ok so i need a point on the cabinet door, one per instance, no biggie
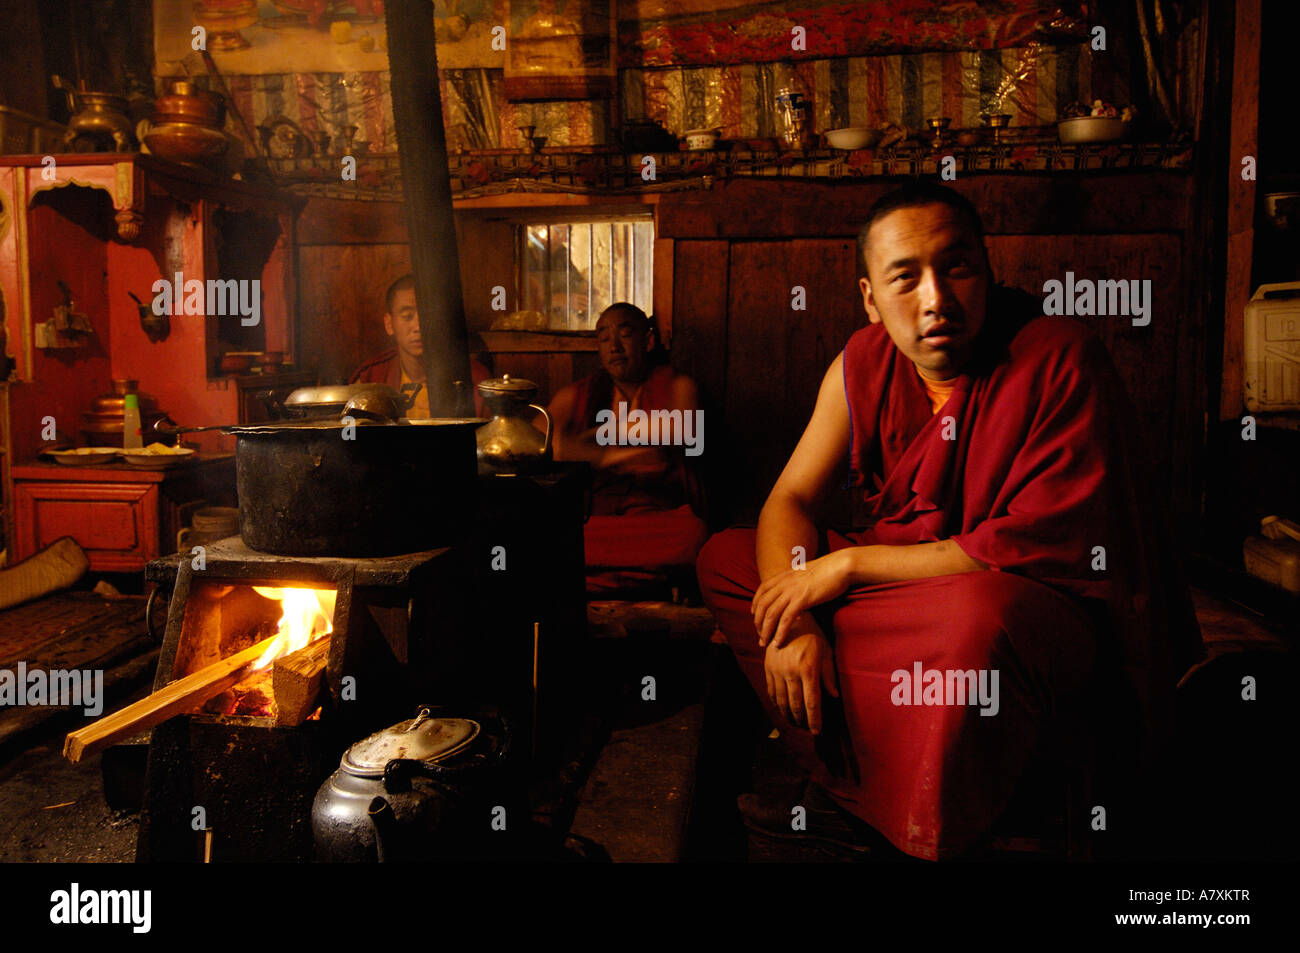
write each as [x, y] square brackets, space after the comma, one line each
[116, 524]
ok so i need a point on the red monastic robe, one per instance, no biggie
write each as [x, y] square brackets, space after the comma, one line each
[639, 525]
[1033, 467]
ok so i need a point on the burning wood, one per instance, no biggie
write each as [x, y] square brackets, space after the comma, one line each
[307, 615]
[179, 697]
[297, 680]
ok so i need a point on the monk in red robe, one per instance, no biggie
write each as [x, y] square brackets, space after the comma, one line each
[639, 424]
[404, 362]
[1012, 585]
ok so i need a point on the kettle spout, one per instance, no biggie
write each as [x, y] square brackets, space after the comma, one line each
[385, 821]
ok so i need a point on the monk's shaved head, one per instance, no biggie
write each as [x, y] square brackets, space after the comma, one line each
[914, 194]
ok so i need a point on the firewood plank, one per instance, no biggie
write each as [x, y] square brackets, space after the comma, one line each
[297, 680]
[180, 696]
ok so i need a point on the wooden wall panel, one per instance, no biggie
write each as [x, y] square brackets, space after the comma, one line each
[1146, 357]
[777, 356]
[341, 304]
[1054, 203]
[700, 279]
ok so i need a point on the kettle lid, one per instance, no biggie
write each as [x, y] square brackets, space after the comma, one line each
[507, 385]
[422, 739]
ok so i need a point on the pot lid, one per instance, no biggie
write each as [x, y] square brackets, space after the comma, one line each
[334, 394]
[423, 739]
[505, 384]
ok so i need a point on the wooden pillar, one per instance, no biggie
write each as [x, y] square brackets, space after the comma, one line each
[422, 149]
[1243, 140]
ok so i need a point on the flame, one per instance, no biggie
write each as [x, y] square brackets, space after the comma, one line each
[307, 615]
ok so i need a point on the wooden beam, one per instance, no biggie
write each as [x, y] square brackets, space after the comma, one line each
[181, 696]
[1243, 140]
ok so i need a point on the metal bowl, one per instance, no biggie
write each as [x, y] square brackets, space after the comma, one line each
[1086, 129]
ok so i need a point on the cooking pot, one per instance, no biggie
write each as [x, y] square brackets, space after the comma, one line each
[353, 488]
[416, 791]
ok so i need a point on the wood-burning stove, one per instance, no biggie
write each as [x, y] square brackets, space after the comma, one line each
[461, 626]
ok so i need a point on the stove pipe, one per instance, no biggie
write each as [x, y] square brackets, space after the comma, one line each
[422, 150]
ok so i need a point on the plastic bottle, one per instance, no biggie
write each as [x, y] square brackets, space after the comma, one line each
[131, 436]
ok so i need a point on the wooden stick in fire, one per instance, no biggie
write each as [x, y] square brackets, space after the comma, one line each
[181, 696]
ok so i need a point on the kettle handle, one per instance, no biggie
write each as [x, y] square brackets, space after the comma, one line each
[399, 771]
[546, 447]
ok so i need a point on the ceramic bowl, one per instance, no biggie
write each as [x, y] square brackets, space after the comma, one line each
[701, 139]
[852, 137]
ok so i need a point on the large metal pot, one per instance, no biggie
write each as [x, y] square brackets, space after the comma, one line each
[326, 488]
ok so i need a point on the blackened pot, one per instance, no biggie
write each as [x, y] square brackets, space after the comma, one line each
[322, 488]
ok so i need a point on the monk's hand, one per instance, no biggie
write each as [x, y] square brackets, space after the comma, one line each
[795, 675]
[782, 598]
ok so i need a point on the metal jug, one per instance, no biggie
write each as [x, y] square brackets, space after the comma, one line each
[508, 443]
[98, 117]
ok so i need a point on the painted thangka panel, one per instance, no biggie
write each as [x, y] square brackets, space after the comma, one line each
[255, 37]
[560, 49]
[715, 32]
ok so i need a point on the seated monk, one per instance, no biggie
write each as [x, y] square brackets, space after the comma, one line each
[645, 523]
[1012, 550]
[403, 363]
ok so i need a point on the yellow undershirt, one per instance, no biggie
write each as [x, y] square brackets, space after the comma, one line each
[937, 391]
[419, 409]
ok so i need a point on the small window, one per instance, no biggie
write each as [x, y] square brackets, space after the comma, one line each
[572, 271]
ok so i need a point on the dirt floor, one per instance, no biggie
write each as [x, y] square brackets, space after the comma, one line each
[51, 810]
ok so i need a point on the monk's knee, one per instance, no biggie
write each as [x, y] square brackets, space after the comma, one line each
[727, 561]
[996, 612]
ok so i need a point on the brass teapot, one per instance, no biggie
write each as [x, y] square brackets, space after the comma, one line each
[508, 443]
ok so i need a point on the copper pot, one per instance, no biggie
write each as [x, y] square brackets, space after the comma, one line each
[186, 142]
[104, 419]
[186, 102]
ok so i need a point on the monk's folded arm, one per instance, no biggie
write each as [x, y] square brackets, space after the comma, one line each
[788, 518]
[783, 524]
[873, 564]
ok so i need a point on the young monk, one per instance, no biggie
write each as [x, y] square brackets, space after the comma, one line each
[1012, 534]
[646, 501]
[404, 362]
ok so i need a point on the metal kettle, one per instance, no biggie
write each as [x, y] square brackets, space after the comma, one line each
[419, 790]
[508, 443]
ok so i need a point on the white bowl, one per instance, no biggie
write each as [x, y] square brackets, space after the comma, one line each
[1084, 129]
[701, 139]
[853, 137]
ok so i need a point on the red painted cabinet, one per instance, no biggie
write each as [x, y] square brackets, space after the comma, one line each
[122, 517]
